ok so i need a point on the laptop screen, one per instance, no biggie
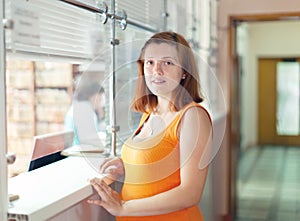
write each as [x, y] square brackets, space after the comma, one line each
[47, 148]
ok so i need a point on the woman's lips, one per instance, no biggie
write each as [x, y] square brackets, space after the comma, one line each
[158, 81]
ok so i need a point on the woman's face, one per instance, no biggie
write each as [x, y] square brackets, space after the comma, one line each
[162, 69]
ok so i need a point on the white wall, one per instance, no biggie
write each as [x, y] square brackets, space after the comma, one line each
[261, 39]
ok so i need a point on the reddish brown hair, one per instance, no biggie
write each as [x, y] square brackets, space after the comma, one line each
[145, 100]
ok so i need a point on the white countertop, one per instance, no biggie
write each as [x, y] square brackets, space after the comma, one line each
[47, 191]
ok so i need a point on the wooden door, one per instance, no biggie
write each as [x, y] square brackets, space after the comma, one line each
[271, 102]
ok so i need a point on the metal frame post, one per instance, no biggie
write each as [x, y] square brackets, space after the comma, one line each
[113, 127]
[3, 136]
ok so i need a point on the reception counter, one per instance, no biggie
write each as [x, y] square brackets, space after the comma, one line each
[57, 192]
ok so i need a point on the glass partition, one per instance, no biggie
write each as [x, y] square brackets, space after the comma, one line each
[52, 50]
[288, 98]
[57, 47]
[57, 51]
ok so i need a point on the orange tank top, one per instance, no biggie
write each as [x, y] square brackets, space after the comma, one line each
[152, 166]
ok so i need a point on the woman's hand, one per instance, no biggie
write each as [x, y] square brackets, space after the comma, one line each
[109, 199]
[113, 168]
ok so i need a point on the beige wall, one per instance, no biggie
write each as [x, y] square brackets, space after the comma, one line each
[227, 10]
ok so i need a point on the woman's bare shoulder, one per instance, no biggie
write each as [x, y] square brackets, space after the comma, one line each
[196, 114]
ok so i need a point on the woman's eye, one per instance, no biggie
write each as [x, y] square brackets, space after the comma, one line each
[168, 62]
[149, 62]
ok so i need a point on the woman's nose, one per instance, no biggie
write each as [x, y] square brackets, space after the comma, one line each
[158, 68]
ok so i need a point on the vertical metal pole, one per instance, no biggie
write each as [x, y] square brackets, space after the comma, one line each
[114, 42]
[165, 15]
[3, 162]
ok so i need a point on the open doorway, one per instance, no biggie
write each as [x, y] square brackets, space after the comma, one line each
[265, 168]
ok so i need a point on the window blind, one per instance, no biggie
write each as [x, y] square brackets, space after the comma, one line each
[54, 28]
[149, 13]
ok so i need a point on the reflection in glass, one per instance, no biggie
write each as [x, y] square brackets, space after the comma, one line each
[287, 113]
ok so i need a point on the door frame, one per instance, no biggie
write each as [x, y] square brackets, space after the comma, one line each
[234, 92]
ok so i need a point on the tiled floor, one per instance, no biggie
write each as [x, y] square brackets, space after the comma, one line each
[269, 184]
